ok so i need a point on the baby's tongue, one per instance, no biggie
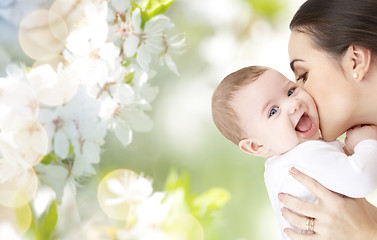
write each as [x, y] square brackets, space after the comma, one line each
[304, 124]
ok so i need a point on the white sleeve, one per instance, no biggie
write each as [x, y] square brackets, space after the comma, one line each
[354, 176]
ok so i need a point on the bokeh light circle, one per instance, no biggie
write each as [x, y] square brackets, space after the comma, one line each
[123, 210]
[36, 37]
[19, 218]
[70, 11]
[19, 190]
[32, 140]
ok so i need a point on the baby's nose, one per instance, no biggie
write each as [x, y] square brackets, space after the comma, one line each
[294, 105]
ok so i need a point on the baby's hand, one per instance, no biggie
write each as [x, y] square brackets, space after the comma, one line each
[359, 133]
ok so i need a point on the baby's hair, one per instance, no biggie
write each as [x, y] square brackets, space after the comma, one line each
[223, 114]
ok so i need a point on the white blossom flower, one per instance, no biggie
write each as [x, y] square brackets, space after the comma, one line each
[120, 6]
[147, 41]
[121, 192]
[92, 57]
[76, 124]
[175, 45]
[18, 100]
[128, 118]
[120, 25]
[66, 111]
[23, 141]
[31, 141]
[129, 188]
[54, 88]
[11, 163]
[153, 211]
[123, 105]
[92, 34]
[18, 181]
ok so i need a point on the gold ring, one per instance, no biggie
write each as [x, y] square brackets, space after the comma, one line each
[310, 224]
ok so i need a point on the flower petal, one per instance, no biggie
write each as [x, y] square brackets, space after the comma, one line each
[171, 64]
[139, 121]
[115, 186]
[91, 152]
[144, 58]
[125, 94]
[136, 20]
[121, 5]
[130, 45]
[109, 51]
[61, 144]
[148, 92]
[123, 133]
[157, 24]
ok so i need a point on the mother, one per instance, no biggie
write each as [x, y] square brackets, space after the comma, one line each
[333, 53]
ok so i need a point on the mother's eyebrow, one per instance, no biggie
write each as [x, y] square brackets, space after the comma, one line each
[292, 64]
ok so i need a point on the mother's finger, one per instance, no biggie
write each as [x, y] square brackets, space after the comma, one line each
[296, 236]
[312, 185]
[294, 219]
[297, 205]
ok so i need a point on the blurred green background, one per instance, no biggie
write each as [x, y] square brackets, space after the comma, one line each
[221, 37]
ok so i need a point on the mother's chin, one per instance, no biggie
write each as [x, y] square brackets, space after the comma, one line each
[331, 132]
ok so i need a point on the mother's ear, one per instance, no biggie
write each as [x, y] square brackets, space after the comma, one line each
[251, 146]
[356, 62]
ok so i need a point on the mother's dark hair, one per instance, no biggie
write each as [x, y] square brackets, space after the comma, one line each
[336, 24]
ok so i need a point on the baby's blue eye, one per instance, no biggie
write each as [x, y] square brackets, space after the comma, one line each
[290, 92]
[273, 111]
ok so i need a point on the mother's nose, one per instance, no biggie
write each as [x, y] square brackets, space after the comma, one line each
[294, 105]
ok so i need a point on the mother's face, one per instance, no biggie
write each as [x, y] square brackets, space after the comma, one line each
[322, 77]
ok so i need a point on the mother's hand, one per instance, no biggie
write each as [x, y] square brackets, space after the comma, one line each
[336, 217]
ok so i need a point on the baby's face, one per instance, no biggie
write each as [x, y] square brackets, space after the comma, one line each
[276, 112]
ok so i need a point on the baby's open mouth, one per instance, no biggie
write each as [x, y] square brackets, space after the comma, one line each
[304, 124]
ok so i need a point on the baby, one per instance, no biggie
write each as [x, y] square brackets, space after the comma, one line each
[267, 115]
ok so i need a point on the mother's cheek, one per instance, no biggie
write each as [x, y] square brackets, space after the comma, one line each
[333, 117]
[326, 108]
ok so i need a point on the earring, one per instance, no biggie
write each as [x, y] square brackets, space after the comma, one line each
[355, 75]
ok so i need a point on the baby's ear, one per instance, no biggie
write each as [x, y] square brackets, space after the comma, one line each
[251, 146]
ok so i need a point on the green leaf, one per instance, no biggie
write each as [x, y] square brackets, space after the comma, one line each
[151, 8]
[49, 158]
[159, 7]
[126, 63]
[210, 201]
[268, 8]
[174, 181]
[48, 221]
[23, 215]
[128, 78]
[71, 150]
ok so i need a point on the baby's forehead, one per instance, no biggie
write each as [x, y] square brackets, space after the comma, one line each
[254, 95]
[274, 74]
